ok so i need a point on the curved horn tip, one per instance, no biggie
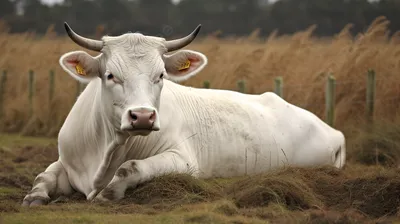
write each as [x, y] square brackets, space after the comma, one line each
[68, 29]
[87, 43]
[197, 30]
[66, 26]
[173, 45]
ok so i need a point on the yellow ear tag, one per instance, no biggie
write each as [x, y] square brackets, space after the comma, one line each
[80, 70]
[184, 66]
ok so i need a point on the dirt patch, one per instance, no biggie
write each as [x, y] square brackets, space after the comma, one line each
[4, 153]
[19, 166]
[8, 207]
[14, 180]
[39, 155]
[29, 154]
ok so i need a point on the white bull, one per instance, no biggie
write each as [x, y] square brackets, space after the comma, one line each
[133, 123]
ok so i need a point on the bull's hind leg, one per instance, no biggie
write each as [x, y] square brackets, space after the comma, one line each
[47, 185]
[133, 172]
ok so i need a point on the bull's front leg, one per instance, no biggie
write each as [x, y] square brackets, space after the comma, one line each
[47, 185]
[134, 172]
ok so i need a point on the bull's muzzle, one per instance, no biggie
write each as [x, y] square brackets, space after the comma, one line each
[140, 119]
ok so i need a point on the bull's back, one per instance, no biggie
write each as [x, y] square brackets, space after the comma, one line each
[240, 133]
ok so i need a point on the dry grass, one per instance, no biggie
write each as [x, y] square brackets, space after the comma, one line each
[302, 60]
[356, 194]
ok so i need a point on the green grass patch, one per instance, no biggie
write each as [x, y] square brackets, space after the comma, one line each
[5, 191]
[94, 214]
[9, 141]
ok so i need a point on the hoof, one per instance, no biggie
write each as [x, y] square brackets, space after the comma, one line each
[37, 202]
[33, 203]
[100, 198]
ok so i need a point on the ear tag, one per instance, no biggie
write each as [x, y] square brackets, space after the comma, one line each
[184, 66]
[80, 70]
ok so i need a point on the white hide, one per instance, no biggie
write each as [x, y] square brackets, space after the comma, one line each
[219, 133]
[211, 133]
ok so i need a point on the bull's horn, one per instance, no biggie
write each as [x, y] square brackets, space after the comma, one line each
[87, 43]
[173, 45]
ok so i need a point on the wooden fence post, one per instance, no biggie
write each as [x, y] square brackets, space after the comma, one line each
[206, 84]
[51, 89]
[31, 90]
[330, 100]
[278, 88]
[241, 86]
[370, 94]
[3, 80]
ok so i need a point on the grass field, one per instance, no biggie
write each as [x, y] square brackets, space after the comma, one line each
[304, 62]
[366, 191]
[362, 192]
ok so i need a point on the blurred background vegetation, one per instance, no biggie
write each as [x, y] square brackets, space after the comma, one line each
[170, 18]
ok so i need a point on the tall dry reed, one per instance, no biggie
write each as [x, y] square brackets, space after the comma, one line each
[303, 60]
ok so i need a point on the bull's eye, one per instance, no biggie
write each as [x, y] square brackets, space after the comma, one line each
[162, 75]
[110, 76]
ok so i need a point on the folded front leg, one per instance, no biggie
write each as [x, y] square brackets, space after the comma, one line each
[49, 184]
[133, 172]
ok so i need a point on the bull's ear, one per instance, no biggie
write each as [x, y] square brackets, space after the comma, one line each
[80, 65]
[184, 64]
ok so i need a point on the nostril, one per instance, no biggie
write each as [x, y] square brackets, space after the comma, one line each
[133, 115]
[152, 116]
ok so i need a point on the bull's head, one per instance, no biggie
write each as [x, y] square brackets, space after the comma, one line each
[131, 68]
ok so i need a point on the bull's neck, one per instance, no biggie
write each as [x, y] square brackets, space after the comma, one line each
[93, 113]
[187, 102]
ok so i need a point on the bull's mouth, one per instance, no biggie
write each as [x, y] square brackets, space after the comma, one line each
[141, 131]
[152, 128]
[133, 129]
